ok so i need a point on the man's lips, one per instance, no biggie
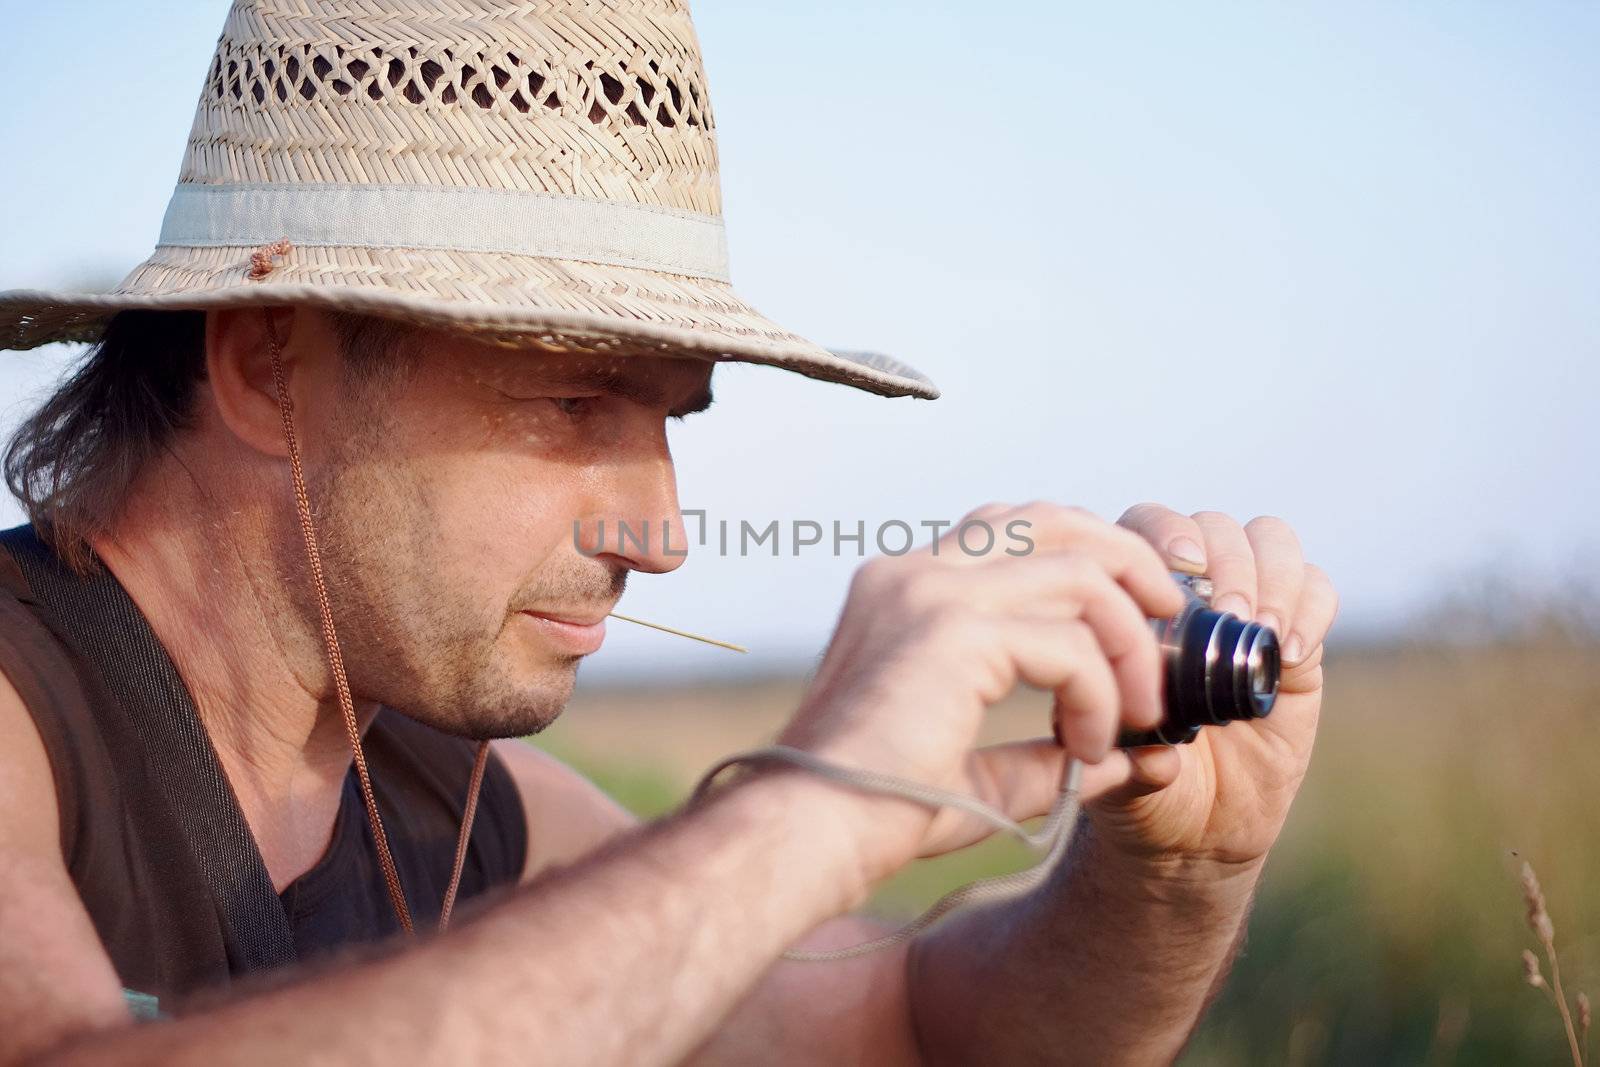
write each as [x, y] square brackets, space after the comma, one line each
[578, 633]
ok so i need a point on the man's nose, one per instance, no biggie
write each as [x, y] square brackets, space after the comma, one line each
[646, 531]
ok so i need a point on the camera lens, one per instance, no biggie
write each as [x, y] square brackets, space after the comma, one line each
[1219, 668]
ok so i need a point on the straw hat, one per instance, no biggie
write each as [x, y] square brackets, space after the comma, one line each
[536, 172]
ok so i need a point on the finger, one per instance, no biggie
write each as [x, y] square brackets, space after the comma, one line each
[1075, 587]
[1177, 538]
[1127, 557]
[1313, 616]
[1280, 572]
[1149, 770]
[1023, 778]
[1230, 564]
[1065, 658]
[980, 534]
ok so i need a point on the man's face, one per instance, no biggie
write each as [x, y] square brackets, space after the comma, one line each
[446, 514]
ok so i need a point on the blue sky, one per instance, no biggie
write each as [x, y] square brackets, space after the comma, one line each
[1338, 264]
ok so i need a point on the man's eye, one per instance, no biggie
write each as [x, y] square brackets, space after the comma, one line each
[574, 406]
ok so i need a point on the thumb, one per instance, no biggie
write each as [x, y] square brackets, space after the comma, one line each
[1150, 770]
[1023, 778]
[1020, 779]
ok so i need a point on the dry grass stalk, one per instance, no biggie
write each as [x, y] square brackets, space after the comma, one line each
[1585, 1017]
[1530, 969]
[1544, 929]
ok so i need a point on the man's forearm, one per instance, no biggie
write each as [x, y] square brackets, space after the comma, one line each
[1112, 962]
[631, 957]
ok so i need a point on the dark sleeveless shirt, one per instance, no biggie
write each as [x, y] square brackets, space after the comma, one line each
[146, 885]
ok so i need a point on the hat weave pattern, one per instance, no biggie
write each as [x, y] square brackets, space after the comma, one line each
[586, 100]
[533, 173]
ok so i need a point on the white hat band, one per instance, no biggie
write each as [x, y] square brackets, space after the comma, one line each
[510, 222]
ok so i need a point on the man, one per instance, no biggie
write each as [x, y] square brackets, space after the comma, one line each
[302, 532]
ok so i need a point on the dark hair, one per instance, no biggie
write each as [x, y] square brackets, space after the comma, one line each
[73, 461]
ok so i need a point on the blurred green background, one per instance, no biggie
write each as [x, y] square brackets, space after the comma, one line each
[1126, 239]
[1390, 921]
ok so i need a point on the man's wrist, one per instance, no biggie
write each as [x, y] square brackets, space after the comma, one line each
[1178, 879]
[827, 817]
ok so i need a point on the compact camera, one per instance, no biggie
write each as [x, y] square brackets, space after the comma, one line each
[1216, 668]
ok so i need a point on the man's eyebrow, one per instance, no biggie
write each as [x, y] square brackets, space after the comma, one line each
[640, 391]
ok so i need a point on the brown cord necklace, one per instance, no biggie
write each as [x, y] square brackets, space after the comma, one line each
[330, 641]
[262, 265]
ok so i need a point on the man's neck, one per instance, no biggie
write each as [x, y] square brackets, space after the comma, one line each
[211, 593]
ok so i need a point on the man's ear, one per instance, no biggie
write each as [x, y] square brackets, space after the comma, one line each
[239, 370]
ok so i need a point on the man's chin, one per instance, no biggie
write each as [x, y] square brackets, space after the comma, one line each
[515, 711]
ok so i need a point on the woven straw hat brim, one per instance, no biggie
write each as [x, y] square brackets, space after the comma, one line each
[548, 304]
[543, 175]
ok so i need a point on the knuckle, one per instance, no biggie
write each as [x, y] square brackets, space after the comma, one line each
[1081, 517]
[1213, 518]
[1079, 572]
[1149, 511]
[1080, 648]
[1076, 637]
[872, 571]
[1331, 594]
[1079, 525]
[922, 591]
[1095, 588]
[1317, 580]
[877, 576]
[1304, 678]
[1271, 526]
[1063, 526]
[1226, 560]
[1134, 542]
[1267, 522]
[956, 627]
[1050, 512]
[993, 507]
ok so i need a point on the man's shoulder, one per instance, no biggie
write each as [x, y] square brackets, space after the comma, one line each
[27, 783]
[46, 682]
[42, 664]
[50, 699]
[568, 815]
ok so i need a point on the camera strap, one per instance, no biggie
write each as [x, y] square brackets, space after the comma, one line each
[1052, 838]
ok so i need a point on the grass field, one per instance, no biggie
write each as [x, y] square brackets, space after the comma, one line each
[1390, 922]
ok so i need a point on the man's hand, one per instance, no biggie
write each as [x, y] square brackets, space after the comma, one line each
[1150, 907]
[1224, 798]
[927, 641]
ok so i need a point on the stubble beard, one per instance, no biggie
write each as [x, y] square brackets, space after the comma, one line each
[408, 640]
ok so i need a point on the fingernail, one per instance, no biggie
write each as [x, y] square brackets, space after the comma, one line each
[1270, 621]
[1294, 649]
[1184, 550]
[1232, 603]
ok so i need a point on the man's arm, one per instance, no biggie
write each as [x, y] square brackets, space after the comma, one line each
[1114, 962]
[55, 979]
[851, 1011]
[631, 956]
[1110, 959]
[1111, 962]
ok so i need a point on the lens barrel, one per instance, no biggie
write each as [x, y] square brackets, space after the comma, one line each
[1218, 669]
